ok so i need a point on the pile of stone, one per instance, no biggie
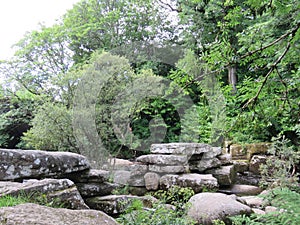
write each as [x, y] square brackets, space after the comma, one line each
[195, 165]
[69, 178]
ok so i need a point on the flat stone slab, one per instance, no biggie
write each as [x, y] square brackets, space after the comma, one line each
[89, 176]
[29, 213]
[198, 182]
[160, 159]
[180, 148]
[168, 169]
[242, 190]
[24, 164]
[204, 164]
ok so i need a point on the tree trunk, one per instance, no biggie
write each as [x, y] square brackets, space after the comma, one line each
[232, 78]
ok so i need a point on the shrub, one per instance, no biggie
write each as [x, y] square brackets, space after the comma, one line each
[280, 169]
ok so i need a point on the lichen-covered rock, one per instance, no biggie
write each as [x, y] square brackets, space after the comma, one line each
[180, 148]
[247, 151]
[238, 151]
[257, 148]
[206, 207]
[225, 175]
[116, 204]
[63, 191]
[26, 214]
[197, 182]
[23, 164]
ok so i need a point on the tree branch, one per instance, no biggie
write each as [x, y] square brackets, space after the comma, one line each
[273, 67]
[169, 6]
[272, 43]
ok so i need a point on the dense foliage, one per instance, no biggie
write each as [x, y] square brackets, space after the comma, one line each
[240, 68]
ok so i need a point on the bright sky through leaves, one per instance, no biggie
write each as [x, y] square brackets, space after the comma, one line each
[19, 16]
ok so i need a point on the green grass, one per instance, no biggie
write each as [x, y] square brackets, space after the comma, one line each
[8, 200]
[37, 198]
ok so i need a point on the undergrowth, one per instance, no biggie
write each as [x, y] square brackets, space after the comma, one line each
[285, 200]
[162, 213]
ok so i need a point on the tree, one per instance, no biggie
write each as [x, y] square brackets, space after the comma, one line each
[92, 25]
[41, 56]
[257, 42]
[15, 116]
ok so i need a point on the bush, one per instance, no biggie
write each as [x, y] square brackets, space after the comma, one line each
[280, 168]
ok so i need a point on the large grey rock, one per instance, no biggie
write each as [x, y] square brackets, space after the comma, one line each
[26, 214]
[180, 148]
[22, 164]
[96, 189]
[63, 191]
[206, 207]
[225, 175]
[168, 169]
[117, 204]
[89, 176]
[152, 181]
[197, 182]
[159, 159]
